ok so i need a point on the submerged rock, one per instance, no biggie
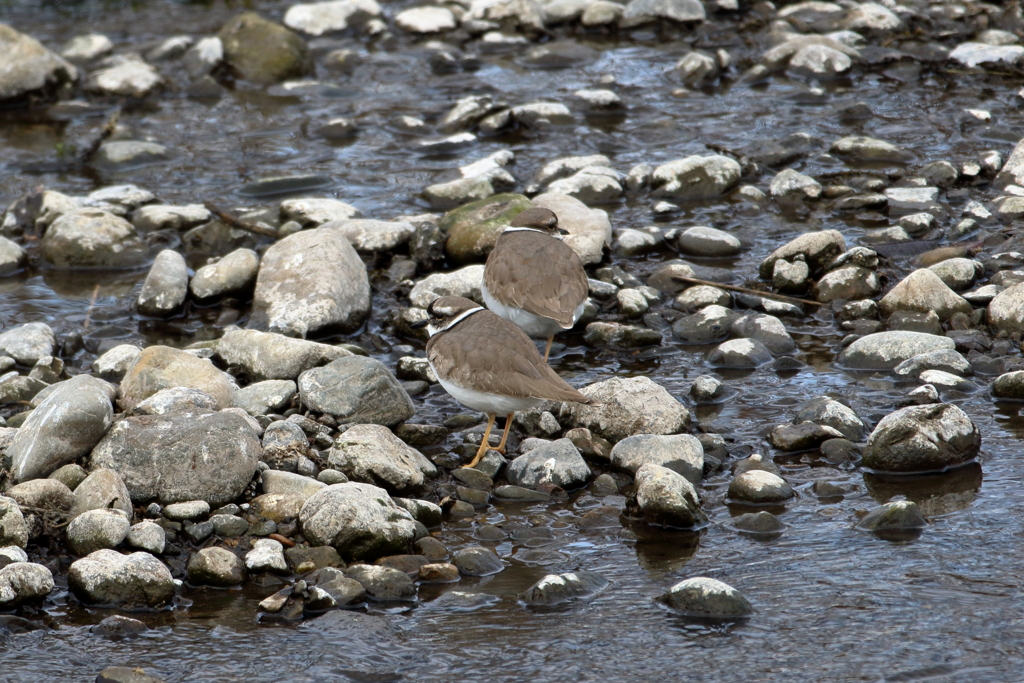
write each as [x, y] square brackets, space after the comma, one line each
[557, 588]
[900, 514]
[922, 439]
[262, 51]
[704, 597]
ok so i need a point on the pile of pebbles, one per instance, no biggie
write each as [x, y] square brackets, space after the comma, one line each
[141, 474]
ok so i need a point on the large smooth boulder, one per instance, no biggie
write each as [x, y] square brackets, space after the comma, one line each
[174, 458]
[922, 439]
[262, 51]
[106, 577]
[557, 463]
[696, 177]
[1006, 311]
[29, 70]
[886, 350]
[266, 355]
[356, 389]
[681, 453]
[93, 238]
[359, 520]
[310, 281]
[590, 230]
[64, 427]
[923, 291]
[161, 367]
[22, 582]
[627, 406]
[371, 453]
[667, 498]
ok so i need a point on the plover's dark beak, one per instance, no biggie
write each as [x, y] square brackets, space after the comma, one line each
[421, 324]
[561, 231]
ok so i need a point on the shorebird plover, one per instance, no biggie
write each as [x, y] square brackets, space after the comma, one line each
[534, 279]
[488, 364]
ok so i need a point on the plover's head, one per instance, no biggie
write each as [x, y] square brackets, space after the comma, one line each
[541, 220]
[446, 311]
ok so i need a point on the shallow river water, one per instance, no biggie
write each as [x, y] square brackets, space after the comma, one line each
[832, 603]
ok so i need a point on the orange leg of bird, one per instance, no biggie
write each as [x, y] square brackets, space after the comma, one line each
[547, 349]
[504, 437]
[484, 443]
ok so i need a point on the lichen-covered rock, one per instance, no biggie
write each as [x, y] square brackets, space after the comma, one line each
[101, 490]
[23, 582]
[162, 367]
[266, 355]
[173, 458]
[94, 530]
[106, 577]
[215, 566]
[13, 529]
[634, 405]
[696, 177]
[356, 389]
[473, 228]
[667, 498]
[923, 291]
[93, 238]
[310, 281]
[373, 454]
[681, 453]
[358, 520]
[886, 350]
[829, 412]
[922, 439]
[556, 463]
[818, 248]
[899, 514]
[262, 51]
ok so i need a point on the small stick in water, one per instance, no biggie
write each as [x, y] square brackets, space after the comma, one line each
[747, 290]
[233, 222]
[92, 303]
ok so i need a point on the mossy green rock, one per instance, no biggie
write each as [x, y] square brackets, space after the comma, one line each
[262, 51]
[473, 228]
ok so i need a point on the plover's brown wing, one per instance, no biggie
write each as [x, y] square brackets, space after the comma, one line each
[484, 352]
[538, 273]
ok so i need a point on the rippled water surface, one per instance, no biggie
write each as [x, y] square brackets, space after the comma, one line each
[833, 603]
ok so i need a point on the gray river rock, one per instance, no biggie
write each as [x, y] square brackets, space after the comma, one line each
[102, 489]
[216, 566]
[161, 367]
[356, 389]
[31, 69]
[13, 529]
[166, 286]
[65, 426]
[665, 497]
[176, 400]
[635, 405]
[886, 350]
[97, 529]
[267, 355]
[923, 291]
[358, 520]
[23, 582]
[681, 453]
[92, 238]
[922, 439]
[555, 463]
[106, 577]
[232, 275]
[310, 281]
[372, 454]
[704, 597]
[558, 588]
[28, 343]
[158, 457]
[262, 51]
